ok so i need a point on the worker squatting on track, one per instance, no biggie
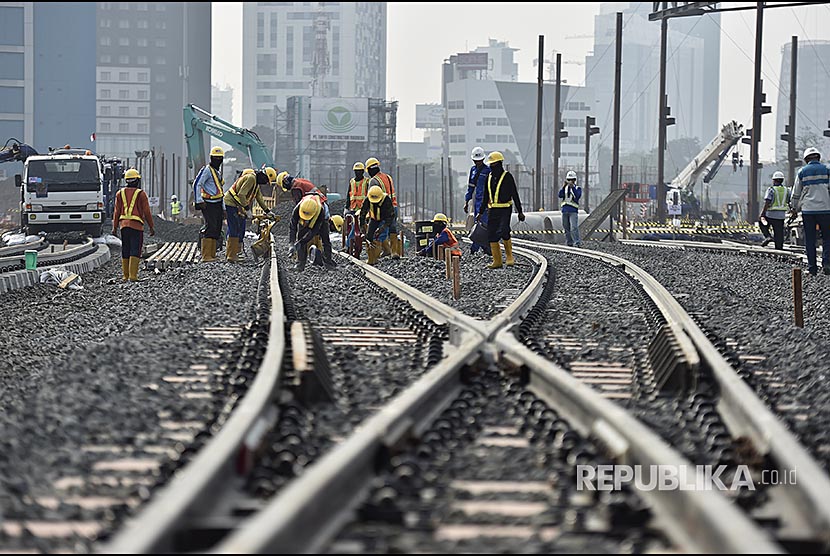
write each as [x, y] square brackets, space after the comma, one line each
[571, 193]
[379, 212]
[238, 201]
[811, 196]
[310, 222]
[444, 236]
[132, 211]
[208, 194]
[475, 192]
[501, 194]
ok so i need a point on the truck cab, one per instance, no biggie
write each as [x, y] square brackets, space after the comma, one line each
[62, 191]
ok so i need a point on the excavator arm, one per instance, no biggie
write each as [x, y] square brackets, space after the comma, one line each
[198, 122]
[16, 151]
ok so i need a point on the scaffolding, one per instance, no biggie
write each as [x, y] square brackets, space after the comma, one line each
[330, 163]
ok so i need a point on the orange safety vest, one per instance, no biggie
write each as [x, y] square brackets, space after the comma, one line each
[388, 186]
[452, 242]
[357, 193]
[313, 221]
[128, 210]
[219, 182]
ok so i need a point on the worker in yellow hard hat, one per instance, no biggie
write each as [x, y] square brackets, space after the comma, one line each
[208, 195]
[238, 200]
[357, 188]
[132, 212]
[308, 222]
[443, 235]
[501, 192]
[380, 179]
[378, 209]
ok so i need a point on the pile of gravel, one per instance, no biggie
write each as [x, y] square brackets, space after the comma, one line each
[167, 231]
[85, 369]
[748, 300]
[484, 292]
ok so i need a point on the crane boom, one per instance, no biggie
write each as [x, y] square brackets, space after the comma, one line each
[197, 122]
[715, 152]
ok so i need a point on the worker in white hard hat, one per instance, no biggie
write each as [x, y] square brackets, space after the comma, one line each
[475, 192]
[175, 208]
[776, 203]
[570, 194]
[811, 196]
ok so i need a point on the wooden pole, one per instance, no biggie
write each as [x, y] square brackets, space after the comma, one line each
[456, 276]
[797, 298]
[448, 261]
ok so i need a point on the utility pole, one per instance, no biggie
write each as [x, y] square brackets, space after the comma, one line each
[615, 164]
[752, 194]
[443, 195]
[661, 133]
[789, 135]
[450, 187]
[537, 195]
[558, 132]
[590, 129]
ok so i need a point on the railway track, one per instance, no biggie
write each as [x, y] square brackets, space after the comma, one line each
[48, 255]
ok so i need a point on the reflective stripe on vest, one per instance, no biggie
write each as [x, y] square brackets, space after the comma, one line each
[569, 198]
[779, 200]
[386, 181]
[357, 193]
[236, 198]
[313, 221]
[128, 214]
[814, 174]
[495, 197]
[176, 207]
[218, 181]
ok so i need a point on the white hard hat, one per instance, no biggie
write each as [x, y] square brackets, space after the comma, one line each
[173, 197]
[478, 153]
[779, 175]
[571, 175]
[810, 152]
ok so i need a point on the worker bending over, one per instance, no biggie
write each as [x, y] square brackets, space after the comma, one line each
[132, 211]
[308, 222]
[298, 187]
[208, 193]
[444, 236]
[378, 209]
[238, 201]
[384, 181]
[501, 194]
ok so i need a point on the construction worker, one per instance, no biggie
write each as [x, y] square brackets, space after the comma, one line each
[357, 188]
[444, 236]
[208, 193]
[175, 208]
[811, 196]
[309, 222]
[238, 201]
[776, 203]
[298, 187]
[501, 194]
[570, 193]
[381, 214]
[132, 211]
[475, 193]
[384, 181]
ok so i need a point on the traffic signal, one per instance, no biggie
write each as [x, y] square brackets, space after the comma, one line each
[669, 120]
[747, 138]
[590, 128]
[562, 131]
[764, 108]
[786, 135]
[827, 131]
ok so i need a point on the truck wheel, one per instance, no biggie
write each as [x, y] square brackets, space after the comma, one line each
[96, 230]
[33, 230]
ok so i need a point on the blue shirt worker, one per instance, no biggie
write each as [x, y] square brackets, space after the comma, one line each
[475, 192]
[208, 195]
[443, 237]
[811, 196]
[570, 195]
[776, 203]
[501, 194]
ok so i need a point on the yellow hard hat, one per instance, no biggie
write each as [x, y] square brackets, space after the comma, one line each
[247, 171]
[372, 162]
[440, 217]
[272, 174]
[358, 166]
[376, 194]
[337, 220]
[217, 151]
[495, 156]
[132, 174]
[309, 208]
[281, 178]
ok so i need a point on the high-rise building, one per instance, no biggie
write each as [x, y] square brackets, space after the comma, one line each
[692, 75]
[153, 58]
[331, 49]
[812, 96]
[221, 102]
[47, 74]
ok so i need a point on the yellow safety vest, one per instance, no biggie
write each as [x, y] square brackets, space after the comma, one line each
[779, 200]
[357, 192]
[495, 198]
[219, 183]
[176, 207]
[128, 211]
[250, 199]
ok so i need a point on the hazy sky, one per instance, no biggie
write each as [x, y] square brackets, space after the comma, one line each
[421, 35]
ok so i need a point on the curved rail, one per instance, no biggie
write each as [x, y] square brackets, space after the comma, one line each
[309, 512]
[12, 250]
[201, 481]
[46, 258]
[744, 414]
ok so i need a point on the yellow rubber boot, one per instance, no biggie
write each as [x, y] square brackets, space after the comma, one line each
[373, 252]
[386, 246]
[496, 249]
[395, 244]
[134, 262]
[208, 250]
[125, 268]
[232, 249]
[508, 251]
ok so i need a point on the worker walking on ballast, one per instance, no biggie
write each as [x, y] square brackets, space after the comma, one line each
[501, 194]
[443, 236]
[811, 195]
[309, 221]
[776, 203]
[132, 211]
[208, 193]
[475, 193]
[238, 201]
[570, 195]
[381, 214]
